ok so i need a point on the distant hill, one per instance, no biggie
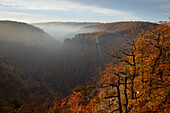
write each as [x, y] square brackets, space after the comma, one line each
[26, 34]
[117, 27]
[62, 30]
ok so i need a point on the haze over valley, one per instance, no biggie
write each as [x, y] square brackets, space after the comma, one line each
[75, 56]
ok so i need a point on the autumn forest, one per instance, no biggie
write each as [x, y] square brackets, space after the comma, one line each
[137, 80]
[120, 67]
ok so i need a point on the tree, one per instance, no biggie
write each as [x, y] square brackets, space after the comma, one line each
[153, 65]
[142, 68]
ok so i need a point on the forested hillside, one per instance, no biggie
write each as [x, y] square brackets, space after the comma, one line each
[27, 54]
[117, 27]
[138, 82]
[35, 68]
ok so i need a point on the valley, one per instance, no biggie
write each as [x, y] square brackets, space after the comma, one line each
[35, 66]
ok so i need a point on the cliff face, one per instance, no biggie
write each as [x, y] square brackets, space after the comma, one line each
[85, 53]
[92, 43]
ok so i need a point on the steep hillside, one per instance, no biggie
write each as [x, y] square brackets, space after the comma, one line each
[27, 56]
[26, 34]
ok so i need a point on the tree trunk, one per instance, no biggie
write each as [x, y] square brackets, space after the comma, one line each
[118, 93]
[125, 93]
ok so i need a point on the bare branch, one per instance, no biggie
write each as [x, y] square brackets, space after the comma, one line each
[125, 53]
[114, 110]
[154, 45]
[110, 97]
[123, 73]
[124, 60]
[108, 85]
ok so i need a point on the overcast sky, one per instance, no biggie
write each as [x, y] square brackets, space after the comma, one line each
[84, 10]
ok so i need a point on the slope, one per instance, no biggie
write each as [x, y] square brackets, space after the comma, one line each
[26, 53]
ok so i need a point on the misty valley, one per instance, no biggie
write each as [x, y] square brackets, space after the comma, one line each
[57, 66]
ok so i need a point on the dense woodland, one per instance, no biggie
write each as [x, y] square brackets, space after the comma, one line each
[135, 79]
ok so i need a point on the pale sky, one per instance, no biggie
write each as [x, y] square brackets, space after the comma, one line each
[32, 11]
